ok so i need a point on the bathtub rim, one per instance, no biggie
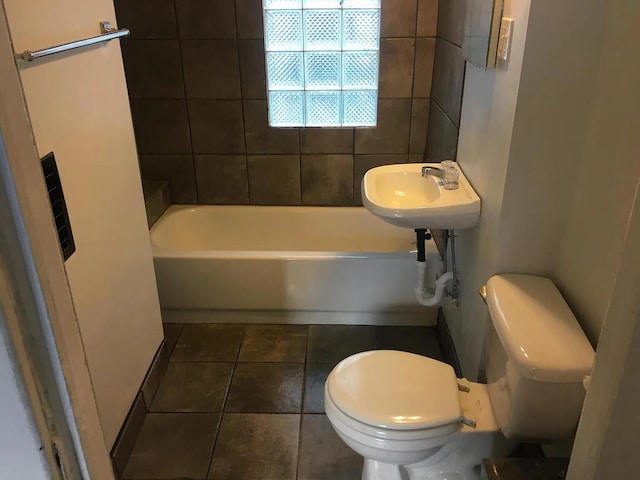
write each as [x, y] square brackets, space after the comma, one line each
[175, 209]
[426, 317]
[162, 252]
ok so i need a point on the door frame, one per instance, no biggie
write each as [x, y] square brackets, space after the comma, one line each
[40, 317]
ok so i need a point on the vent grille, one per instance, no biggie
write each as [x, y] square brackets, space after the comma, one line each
[58, 205]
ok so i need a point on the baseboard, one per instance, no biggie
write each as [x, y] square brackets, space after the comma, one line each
[133, 422]
[426, 317]
[446, 342]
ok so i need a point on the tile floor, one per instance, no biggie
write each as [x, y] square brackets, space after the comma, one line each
[245, 402]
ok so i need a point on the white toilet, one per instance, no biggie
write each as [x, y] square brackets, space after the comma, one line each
[411, 418]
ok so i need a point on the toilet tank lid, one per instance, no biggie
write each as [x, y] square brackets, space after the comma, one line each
[537, 329]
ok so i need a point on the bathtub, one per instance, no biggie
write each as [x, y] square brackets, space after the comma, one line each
[315, 265]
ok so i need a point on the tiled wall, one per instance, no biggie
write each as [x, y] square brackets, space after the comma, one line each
[448, 80]
[195, 71]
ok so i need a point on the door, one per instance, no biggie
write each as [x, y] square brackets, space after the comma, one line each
[78, 107]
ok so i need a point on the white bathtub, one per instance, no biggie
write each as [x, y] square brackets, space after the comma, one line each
[286, 265]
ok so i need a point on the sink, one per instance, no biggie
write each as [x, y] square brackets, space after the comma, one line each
[400, 195]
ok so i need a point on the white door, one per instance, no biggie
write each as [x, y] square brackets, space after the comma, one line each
[79, 109]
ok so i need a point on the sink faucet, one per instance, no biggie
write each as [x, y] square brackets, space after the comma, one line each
[450, 175]
[435, 171]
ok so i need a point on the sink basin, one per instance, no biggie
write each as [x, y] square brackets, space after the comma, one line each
[400, 195]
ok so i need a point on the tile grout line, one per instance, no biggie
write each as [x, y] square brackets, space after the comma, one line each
[303, 393]
[244, 121]
[413, 78]
[224, 404]
[186, 103]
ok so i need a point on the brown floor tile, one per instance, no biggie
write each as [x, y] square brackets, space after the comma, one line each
[173, 445]
[323, 455]
[274, 343]
[315, 376]
[332, 343]
[193, 387]
[252, 447]
[208, 343]
[266, 388]
[420, 340]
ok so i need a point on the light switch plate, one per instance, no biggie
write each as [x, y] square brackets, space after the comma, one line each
[504, 41]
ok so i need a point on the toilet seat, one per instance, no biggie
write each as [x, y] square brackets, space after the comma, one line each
[375, 433]
[389, 390]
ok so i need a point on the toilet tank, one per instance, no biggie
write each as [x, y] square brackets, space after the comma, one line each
[537, 357]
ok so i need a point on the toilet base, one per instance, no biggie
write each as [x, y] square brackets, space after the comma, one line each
[458, 460]
[374, 470]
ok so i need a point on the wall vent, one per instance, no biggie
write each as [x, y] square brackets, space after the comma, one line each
[58, 205]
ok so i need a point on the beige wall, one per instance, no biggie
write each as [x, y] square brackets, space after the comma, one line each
[550, 142]
[522, 134]
[600, 254]
[79, 108]
[606, 180]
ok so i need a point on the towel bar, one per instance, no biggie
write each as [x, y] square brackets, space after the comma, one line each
[106, 33]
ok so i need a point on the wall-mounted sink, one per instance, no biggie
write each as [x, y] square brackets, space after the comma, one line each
[400, 195]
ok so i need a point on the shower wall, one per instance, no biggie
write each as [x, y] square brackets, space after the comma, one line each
[196, 79]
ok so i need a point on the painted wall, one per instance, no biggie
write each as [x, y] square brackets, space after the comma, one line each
[196, 78]
[523, 129]
[590, 250]
[79, 109]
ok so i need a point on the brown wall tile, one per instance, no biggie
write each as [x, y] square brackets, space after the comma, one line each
[398, 18]
[153, 68]
[392, 133]
[206, 18]
[396, 67]
[261, 138]
[161, 126]
[147, 18]
[442, 137]
[362, 163]
[419, 125]
[274, 179]
[326, 140]
[451, 15]
[448, 79]
[177, 170]
[157, 203]
[222, 179]
[249, 18]
[216, 126]
[211, 68]
[427, 18]
[425, 53]
[252, 69]
[327, 179]
[226, 110]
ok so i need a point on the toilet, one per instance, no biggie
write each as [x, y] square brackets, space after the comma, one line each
[411, 418]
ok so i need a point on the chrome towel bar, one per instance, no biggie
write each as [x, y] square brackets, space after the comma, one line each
[106, 33]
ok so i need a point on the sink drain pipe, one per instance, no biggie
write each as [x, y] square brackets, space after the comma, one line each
[422, 236]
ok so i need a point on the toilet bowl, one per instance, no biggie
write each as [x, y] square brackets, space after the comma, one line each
[412, 419]
[428, 439]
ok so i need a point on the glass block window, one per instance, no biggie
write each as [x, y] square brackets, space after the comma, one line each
[322, 62]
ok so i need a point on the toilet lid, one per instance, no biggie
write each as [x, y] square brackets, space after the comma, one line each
[395, 390]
